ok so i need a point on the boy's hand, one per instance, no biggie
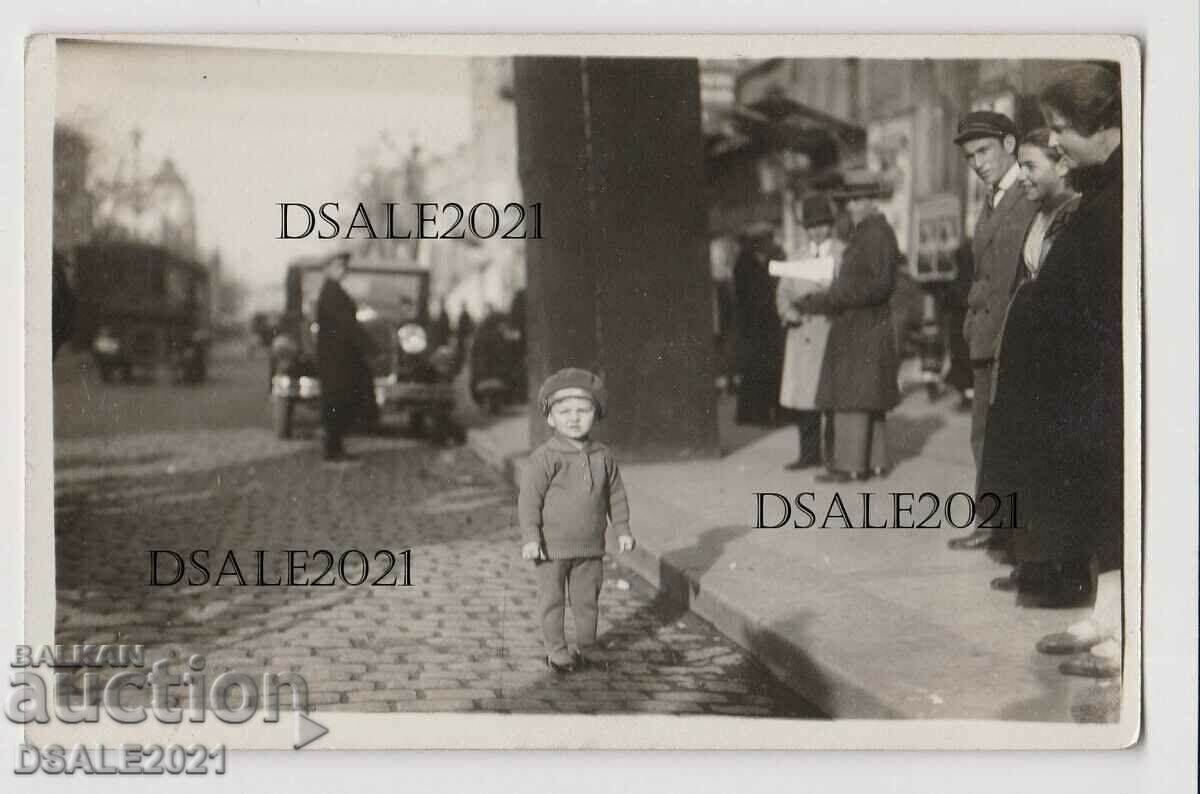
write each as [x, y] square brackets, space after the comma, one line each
[532, 551]
[625, 542]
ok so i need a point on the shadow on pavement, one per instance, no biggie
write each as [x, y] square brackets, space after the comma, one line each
[908, 435]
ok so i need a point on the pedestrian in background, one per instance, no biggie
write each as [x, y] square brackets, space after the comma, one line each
[570, 490]
[760, 334]
[988, 141]
[439, 327]
[1062, 354]
[64, 305]
[804, 351]
[858, 374]
[347, 387]
[464, 332]
[953, 306]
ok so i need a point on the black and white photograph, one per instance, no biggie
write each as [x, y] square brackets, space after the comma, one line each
[788, 393]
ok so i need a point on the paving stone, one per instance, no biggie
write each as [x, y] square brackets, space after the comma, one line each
[360, 708]
[340, 686]
[458, 694]
[435, 705]
[691, 697]
[516, 705]
[385, 695]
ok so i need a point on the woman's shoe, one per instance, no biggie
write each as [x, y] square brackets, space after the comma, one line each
[837, 476]
[1089, 665]
[1007, 584]
[797, 465]
[1064, 643]
[561, 669]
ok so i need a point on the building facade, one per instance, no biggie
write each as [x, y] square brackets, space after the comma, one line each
[480, 274]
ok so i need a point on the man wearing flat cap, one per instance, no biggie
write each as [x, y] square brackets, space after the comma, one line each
[988, 141]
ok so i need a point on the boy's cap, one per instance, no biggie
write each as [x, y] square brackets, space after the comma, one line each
[984, 124]
[573, 382]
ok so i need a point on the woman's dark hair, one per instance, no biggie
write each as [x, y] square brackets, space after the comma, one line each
[1040, 138]
[1087, 95]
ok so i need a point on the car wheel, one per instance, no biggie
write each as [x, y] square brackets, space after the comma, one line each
[437, 429]
[416, 423]
[282, 410]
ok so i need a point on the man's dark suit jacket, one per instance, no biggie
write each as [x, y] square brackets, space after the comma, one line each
[996, 246]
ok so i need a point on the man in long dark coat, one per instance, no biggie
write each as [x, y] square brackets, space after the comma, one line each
[858, 375]
[347, 388]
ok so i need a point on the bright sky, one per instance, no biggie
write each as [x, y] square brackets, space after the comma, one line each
[250, 128]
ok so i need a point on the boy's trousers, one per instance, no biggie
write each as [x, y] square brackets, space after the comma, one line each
[582, 577]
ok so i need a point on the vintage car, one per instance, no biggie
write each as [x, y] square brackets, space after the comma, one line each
[142, 307]
[413, 373]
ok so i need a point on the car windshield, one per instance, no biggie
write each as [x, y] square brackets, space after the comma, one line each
[394, 297]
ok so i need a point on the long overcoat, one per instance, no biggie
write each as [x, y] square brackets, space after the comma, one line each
[347, 387]
[1054, 432]
[859, 369]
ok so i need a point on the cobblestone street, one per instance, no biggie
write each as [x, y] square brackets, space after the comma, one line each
[462, 637]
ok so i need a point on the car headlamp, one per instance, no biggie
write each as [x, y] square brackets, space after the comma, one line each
[412, 339]
[106, 343]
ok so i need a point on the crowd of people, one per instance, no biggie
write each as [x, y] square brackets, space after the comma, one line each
[1042, 329]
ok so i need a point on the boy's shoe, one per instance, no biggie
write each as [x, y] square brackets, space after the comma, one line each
[581, 662]
[561, 669]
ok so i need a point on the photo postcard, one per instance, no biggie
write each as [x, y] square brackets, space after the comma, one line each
[439, 392]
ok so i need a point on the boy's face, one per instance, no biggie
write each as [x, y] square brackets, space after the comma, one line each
[572, 417]
[990, 158]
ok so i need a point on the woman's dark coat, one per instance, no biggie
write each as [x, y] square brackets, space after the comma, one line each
[347, 387]
[1054, 432]
[859, 370]
[760, 335]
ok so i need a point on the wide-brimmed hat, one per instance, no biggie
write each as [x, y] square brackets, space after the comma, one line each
[859, 184]
[984, 124]
[816, 210]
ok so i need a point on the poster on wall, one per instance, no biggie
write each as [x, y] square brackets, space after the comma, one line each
[938, 238]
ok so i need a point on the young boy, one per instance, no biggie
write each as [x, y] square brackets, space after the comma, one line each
[570, 490]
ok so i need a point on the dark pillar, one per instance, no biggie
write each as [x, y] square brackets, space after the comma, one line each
[612, 148]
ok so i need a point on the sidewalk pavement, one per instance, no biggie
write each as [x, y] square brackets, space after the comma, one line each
[864, 623]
